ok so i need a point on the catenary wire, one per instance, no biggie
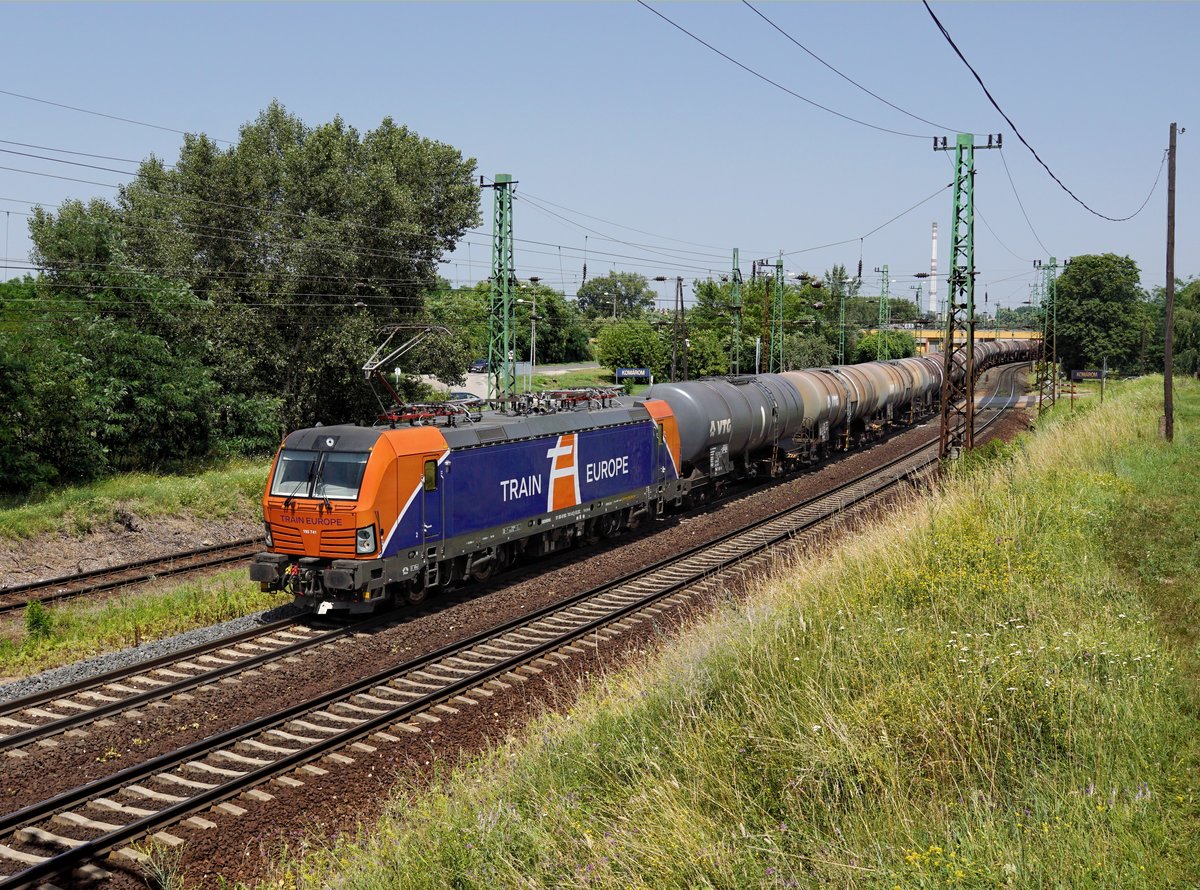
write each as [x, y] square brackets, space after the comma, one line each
[1025, 142]
[874, 230]
[114, 117]
[843, 76]
[776, 84]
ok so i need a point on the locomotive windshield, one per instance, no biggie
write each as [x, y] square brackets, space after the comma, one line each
[336, 475]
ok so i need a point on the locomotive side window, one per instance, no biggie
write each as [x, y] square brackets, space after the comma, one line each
[431, 475]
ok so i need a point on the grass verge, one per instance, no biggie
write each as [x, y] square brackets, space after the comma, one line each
[76, 630]
[997, 688]
[215, 494]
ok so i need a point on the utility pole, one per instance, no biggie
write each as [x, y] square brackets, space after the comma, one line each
[1169, 345]
[882, 351]
[502, 380]
[776, 351]
[735, 309]
[958, 396]
[679, 344]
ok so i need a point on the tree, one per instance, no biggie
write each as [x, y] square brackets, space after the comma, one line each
[1100, 309]
[632, 344]
[802, 351]
[1024, 317]
[561, 335]
[901, 344]
[303, 240]
[1187, 328]
[630, 290]
[707, 355]
[903, 310]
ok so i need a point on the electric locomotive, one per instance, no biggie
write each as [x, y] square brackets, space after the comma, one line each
[359, 516]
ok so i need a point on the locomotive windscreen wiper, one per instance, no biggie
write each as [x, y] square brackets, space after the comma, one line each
[320, 465]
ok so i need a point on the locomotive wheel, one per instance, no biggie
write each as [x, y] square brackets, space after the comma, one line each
[416, 593]
[610, 525]
[489, 568]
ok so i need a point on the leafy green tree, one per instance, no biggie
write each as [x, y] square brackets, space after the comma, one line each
[707, 355]
[1152, 332]
[1022, 317]
[631, 292]
[802, 351]
[21, 467]
[561, 334]
[901, 344]
[633, 344]
[305, 241]
[1099, 311]
[464, 311]
[903, 311]
[1187, 328]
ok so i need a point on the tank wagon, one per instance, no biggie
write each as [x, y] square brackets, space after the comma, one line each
[357, 517]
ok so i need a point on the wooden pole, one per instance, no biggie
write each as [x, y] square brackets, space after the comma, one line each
[1168, 350]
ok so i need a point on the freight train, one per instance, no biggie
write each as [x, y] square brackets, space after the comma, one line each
[357, 517]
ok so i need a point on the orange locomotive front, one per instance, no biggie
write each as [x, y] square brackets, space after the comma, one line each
[333, 494]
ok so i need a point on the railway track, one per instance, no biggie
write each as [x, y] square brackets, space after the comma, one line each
[127, 574]
[198, 783]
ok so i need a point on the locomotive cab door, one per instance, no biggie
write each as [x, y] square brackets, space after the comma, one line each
[432, 504]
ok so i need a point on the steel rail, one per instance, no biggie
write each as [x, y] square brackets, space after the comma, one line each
[764, 533]
[113, 577]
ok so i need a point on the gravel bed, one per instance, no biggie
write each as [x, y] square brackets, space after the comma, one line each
[111, 661]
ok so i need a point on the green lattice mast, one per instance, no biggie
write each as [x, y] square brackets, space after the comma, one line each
[882, 350]
[502, 380]
[735, 309]
[958, 395]
[775, 361]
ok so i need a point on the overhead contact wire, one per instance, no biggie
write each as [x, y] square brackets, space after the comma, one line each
[1025, 142]
[776, 84]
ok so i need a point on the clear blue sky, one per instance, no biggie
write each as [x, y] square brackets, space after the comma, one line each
[606, 109]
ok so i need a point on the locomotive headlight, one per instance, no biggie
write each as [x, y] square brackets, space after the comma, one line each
[270, 540]
[365, 540]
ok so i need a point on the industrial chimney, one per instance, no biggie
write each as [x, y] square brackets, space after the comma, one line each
[933, 278]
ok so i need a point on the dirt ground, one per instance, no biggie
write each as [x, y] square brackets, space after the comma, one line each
[124, 540]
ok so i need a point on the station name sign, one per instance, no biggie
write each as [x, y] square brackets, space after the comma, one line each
[1089, 374]
[632, 373]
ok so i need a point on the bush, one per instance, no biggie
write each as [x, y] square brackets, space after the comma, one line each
[39, 621]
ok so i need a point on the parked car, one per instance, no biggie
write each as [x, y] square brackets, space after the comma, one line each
[463, 397]
[479, 366]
